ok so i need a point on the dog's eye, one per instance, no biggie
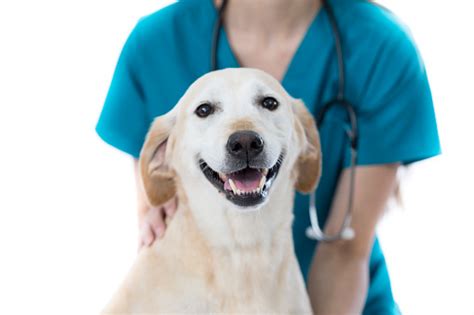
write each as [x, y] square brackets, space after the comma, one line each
[269, 103]
[204, 110]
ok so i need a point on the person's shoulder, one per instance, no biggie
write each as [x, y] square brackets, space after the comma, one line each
[374, 33]
[367, 18]
[180, 16]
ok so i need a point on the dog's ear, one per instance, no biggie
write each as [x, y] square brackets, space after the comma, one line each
[308, 165]
[156, 174]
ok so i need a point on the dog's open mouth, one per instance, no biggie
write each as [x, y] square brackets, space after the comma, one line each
[246, 187]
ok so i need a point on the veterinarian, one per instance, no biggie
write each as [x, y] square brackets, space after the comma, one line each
[385, 79]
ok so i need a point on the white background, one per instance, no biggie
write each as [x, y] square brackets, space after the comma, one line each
[67, 201]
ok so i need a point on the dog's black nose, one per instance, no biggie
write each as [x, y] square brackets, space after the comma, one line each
[245, 144]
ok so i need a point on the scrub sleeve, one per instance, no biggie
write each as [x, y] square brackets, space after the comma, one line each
[125, 118]
[396, 115]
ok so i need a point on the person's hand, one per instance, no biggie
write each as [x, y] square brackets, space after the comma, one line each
[153, 223]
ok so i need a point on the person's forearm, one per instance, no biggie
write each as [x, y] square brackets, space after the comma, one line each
[339, 276]
[339, 284]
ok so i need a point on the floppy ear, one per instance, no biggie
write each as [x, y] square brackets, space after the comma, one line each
[156, 174]
[308, 165]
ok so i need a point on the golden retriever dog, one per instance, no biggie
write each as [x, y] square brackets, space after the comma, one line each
[233, 150]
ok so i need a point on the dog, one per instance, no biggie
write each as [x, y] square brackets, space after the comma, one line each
[233, 150]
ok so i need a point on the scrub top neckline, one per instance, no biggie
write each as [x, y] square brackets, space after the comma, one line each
[228, 58]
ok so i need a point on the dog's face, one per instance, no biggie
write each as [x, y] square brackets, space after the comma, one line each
[232, 132]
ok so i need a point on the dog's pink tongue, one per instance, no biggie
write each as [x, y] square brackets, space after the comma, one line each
[245, 180]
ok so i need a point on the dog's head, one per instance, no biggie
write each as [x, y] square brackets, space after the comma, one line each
[237, 133]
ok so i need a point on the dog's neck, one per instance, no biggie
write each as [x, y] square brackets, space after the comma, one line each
[226, 228]
[216, 239]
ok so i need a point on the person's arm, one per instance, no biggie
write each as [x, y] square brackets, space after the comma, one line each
[152, 221]
[339, 275]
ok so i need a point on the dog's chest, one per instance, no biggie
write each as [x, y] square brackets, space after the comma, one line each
[249, 284]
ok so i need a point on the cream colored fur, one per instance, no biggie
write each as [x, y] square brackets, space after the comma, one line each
[217, 257]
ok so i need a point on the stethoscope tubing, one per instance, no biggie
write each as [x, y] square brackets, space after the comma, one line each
[314, 231]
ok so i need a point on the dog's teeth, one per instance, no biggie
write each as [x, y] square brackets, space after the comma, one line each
[232, 185]
[238, 192]
[262, 182]
[265, 171]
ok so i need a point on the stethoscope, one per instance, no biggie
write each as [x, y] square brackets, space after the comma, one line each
[314, 231]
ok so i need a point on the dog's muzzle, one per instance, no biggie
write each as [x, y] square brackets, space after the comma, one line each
[247, 177]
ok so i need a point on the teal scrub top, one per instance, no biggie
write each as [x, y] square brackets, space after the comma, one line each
[385, 80]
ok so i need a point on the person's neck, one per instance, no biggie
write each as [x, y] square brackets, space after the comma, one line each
[269, 16]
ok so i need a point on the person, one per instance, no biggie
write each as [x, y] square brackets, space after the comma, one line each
[292, 40]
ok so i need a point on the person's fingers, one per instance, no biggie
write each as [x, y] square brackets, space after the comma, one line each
[155, 218]
[170, 207]
[153, 225]
[147, 235]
